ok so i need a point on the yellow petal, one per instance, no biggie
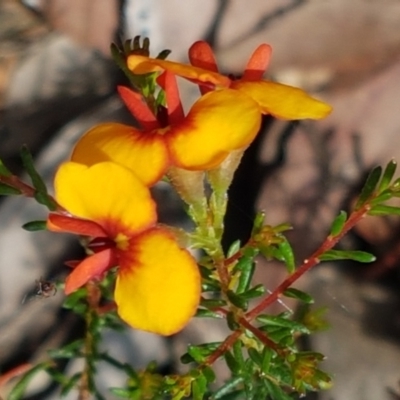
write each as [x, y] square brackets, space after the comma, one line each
[107, 194]
[143, 65]
[158, 284]
[142, 152]
[219, 122]
[283, 101]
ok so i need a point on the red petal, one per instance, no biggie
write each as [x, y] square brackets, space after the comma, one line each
[91, 267]
[201, 55]
[168, 82]
[139, 109]
[77, 226]
[258, 63]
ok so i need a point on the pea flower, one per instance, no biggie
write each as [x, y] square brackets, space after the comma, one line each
[281, 101]
[158, 283]
[218, 123]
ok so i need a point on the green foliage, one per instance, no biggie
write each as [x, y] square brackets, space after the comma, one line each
[41, 194]
[34, 226]
[7, 190]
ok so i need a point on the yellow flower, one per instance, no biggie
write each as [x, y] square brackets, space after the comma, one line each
[218, 123]
[158, 283]
[281, 101]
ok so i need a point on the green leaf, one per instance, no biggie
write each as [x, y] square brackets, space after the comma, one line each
[34, 226]
[231, 321]
[266, 357]
[255, 356]
[286, 251]
[233, 249]
[387, 175]
[7, 190]
[201, 352]
[4, 171]
[237, 349]
[209, 373]
[76, 301]
[18, 390]
[276, 393]
[299, 295]
[356, 255]
[369, 187]
[382, 209]
[254, 292]
[338, 223]
[210, 303]
[41, 194]
[69, 351]
[229, 387]
[231, 362]
[46, 200]
[382, 197]
[278, 321]
[203, 313]
[199, 387]
[27, 161]
[72, 382]
[258, 223]
[246, 266]
[237, 300]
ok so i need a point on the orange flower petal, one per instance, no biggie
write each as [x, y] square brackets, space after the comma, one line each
[77, 226]
[91, 267]
[283, 101]
[158, 284]
[219, 122]
[144, 153]
[168, 82]
[107, 194]
[201, 55]
[143, 65]
[135, 104]
[258, 63]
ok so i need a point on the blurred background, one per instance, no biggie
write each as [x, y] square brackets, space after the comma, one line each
[57, 80]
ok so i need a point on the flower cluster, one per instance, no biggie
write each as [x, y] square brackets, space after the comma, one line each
[104, 189]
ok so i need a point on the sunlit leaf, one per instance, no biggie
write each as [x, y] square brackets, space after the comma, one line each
[254, 292]
[384, 196]
[387, 175]
[299, 295]
[228, 387]
[338, 223]
[369, 187]
[356, 255]
[382, 209]
[288, 256]
[258, 223]
[275, 320]
[199, 387]
[234, 248]
[246, 266]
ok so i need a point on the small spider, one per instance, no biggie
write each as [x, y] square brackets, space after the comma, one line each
[45, 288]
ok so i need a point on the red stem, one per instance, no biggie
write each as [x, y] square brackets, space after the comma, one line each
[26, 190]
[328, 244]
